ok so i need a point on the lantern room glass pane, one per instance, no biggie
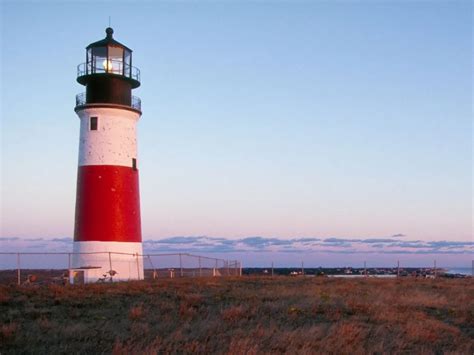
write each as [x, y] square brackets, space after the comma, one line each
[99, 59]
[127, 67]
[89, 61]
[115, 62]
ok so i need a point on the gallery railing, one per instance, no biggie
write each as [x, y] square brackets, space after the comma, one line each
[135, 103]
[116, 67]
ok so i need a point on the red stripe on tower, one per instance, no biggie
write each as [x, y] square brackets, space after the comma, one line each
[107, 232]
[107, 204]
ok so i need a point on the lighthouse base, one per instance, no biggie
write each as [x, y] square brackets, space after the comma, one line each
[106, 262]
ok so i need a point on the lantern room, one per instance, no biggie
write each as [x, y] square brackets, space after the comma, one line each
[108, 73]
[109, 56]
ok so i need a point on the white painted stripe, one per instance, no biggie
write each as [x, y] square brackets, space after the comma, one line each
[124, 265]
[115, 140]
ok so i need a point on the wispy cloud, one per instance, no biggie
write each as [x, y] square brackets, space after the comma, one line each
[382, 245]
[258, 244]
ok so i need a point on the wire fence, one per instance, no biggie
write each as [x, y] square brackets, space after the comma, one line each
[61, 268]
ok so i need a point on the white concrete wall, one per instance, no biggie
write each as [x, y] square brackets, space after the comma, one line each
[124, 265]
[115, 140]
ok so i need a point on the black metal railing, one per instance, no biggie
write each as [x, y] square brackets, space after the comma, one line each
[109, 66]
[81, 99]
[136, 103]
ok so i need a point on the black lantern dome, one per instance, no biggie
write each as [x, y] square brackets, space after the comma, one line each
[108, 73]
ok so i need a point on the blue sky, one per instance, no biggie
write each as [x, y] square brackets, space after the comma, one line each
[273, 119]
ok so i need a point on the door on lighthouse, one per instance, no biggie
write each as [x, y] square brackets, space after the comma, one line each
[78, 277]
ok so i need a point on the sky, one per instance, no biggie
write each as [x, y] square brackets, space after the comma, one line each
[336, 121]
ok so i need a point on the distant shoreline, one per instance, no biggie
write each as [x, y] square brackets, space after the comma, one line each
[360, 272]
[459, 271]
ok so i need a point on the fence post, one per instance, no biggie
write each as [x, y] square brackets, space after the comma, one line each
[153, 266]
[18, 268]
[240, 268]
[398, 268]
[365, 269]
[272, 268]
[180, 265]
[199, 261]
[110, 268]
[435, 272]
[138, 268]
[228, 271]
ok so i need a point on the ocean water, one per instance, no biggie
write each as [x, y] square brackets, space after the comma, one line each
[459, 270]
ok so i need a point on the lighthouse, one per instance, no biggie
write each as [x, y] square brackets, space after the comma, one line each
[107, 231]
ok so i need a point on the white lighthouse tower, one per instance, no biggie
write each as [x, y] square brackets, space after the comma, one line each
[107, 233]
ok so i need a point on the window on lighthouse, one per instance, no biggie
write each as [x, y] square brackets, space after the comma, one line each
[134, 163]
[93, 123]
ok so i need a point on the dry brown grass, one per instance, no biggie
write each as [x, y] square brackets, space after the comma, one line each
[244, 315]
[7, 331]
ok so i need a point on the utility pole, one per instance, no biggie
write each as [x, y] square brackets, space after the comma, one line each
[68, 268]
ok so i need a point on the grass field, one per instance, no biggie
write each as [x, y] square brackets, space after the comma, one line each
[242, 315]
